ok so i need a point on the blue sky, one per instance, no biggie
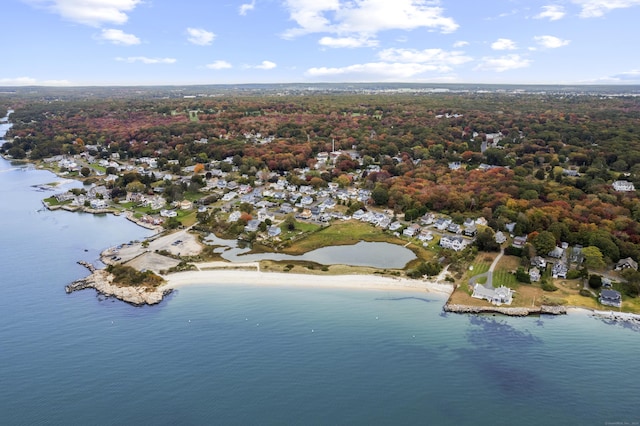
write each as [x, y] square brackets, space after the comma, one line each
[150, 42]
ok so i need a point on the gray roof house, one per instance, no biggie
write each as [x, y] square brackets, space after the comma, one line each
[539, 262]
[626, 264]
[497, 296]
[611, 298]
[557, 252]
[559, 270]
[252, 225]
[274, 231]
[534, 274]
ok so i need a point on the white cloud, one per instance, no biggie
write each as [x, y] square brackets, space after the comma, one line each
[551, 42]
[504, 44]
[119, 37]
[200, 37]
[309, 15]
[146, 60]
[18, 81]
[629, 76]
[373, 71]
[92, 12]
[460, 43]
[365, 17]
[438, 59]
[56, 83]
[597, 8]
[503, 63]
[397, 64]
[349, 42]
[503, 15]
[244, 8]
[29, 81]
[552, 12]
[219, 65]
[266, 65]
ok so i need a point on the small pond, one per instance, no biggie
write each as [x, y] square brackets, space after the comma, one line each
[377, 255]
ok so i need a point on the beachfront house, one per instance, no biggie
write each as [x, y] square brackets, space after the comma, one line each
[611, 298]
[497, 296]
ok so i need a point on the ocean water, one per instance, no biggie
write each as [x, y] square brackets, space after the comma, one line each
[242, 354]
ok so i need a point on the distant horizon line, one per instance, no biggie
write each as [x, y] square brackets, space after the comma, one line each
[616, 84]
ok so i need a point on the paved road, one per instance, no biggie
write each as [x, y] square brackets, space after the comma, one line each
[488, 274]
[489, 283]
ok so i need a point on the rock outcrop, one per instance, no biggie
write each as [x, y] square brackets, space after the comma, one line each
[102, 282]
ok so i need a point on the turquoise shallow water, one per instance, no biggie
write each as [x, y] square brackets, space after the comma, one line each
[242, 354]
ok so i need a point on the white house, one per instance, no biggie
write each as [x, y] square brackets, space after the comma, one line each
[234, 216]
[411, 230]
[395, 226]
[168, 213]
[264, 214]
[454, 243]
[497, 296]
[534, 274]
[425, 235]
[623, 186]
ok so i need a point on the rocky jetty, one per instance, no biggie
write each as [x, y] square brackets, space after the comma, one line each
[514, 312]
[102, 282]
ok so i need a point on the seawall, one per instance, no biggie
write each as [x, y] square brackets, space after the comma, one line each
[514, 312]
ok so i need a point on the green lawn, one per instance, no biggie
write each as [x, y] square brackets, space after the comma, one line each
[341, 233]
[479, 267]
[52, 201]
[504, 278]
[187, 217]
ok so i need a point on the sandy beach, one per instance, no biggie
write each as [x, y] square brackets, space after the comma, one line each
[370, 282]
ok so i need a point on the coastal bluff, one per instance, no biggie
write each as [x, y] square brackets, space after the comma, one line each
[514, 312]
[102, 282]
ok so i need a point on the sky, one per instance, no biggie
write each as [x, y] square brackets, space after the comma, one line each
[182, 42]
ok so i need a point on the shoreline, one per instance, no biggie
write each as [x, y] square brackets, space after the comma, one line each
[227, 274]
[506, 310]
[101, 281]
[606, 315]
[224, 275]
